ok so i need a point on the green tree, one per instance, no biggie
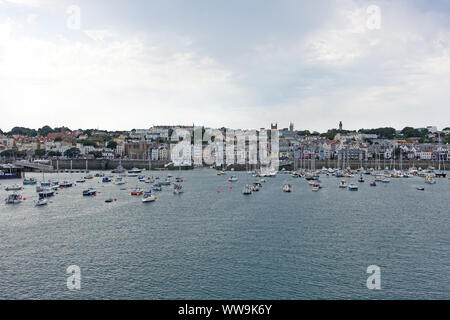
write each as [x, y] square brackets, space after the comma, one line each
[72, 152]
[112, 145]
[45, 130]
[39, 152]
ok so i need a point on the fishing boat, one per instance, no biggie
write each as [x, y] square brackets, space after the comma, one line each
[14, 187]
[30, 181]
[247, 190]
[287, 187]
[89, 193]
[343, 184]
[233, 178]
[177, 188]
[13, 199]
[137, 192]
[352, 187]
[41, 202]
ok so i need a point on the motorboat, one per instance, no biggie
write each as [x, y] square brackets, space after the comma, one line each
[361, 179]
[66, 184]
[120, 182]
[106, 180]
[421, 188]
[137, 192]
[156, 187]
[41, 202]
[148, 197]
[247, 190]
[177, 188]
[14, 187]
[233, 178]
[373, 184]
[343, 184]
[287, 187]
[89, 193]
[166, 182]
[4, 176]
[134, 171]
[46, 193]
[430, 180]
[80, 181]
[316, 187]
[30, 181]
[353, 187]
[13, 199]
[99, 175]
[119, 169]
[386, 180]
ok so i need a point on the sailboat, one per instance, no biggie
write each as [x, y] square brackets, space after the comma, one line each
[440, 174]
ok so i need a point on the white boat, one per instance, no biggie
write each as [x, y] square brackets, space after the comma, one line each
[41, 202]
[287, 187]
[89, 192]
[148, 197]
[135, 171]
[177, 188]
[421, 188]
[430, 180]
[316, 187]
[13, 199]
[247, 190]
[14, 187]
[352, 187]
[386, 180]
[232, 179]
[343, 184]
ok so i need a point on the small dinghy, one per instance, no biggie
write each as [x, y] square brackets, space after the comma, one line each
[41, 202]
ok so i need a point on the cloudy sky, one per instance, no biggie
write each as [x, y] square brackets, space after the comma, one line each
[240, 64]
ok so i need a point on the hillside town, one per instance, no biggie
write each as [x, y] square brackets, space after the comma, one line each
[154, 143]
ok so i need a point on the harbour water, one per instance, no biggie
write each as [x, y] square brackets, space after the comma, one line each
[205, 244]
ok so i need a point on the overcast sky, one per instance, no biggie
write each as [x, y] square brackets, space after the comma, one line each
[239, 64]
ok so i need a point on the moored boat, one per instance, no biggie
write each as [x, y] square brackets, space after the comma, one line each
[13, 199]
[89, 193]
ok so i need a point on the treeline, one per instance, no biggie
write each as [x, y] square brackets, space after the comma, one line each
[44, 131]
